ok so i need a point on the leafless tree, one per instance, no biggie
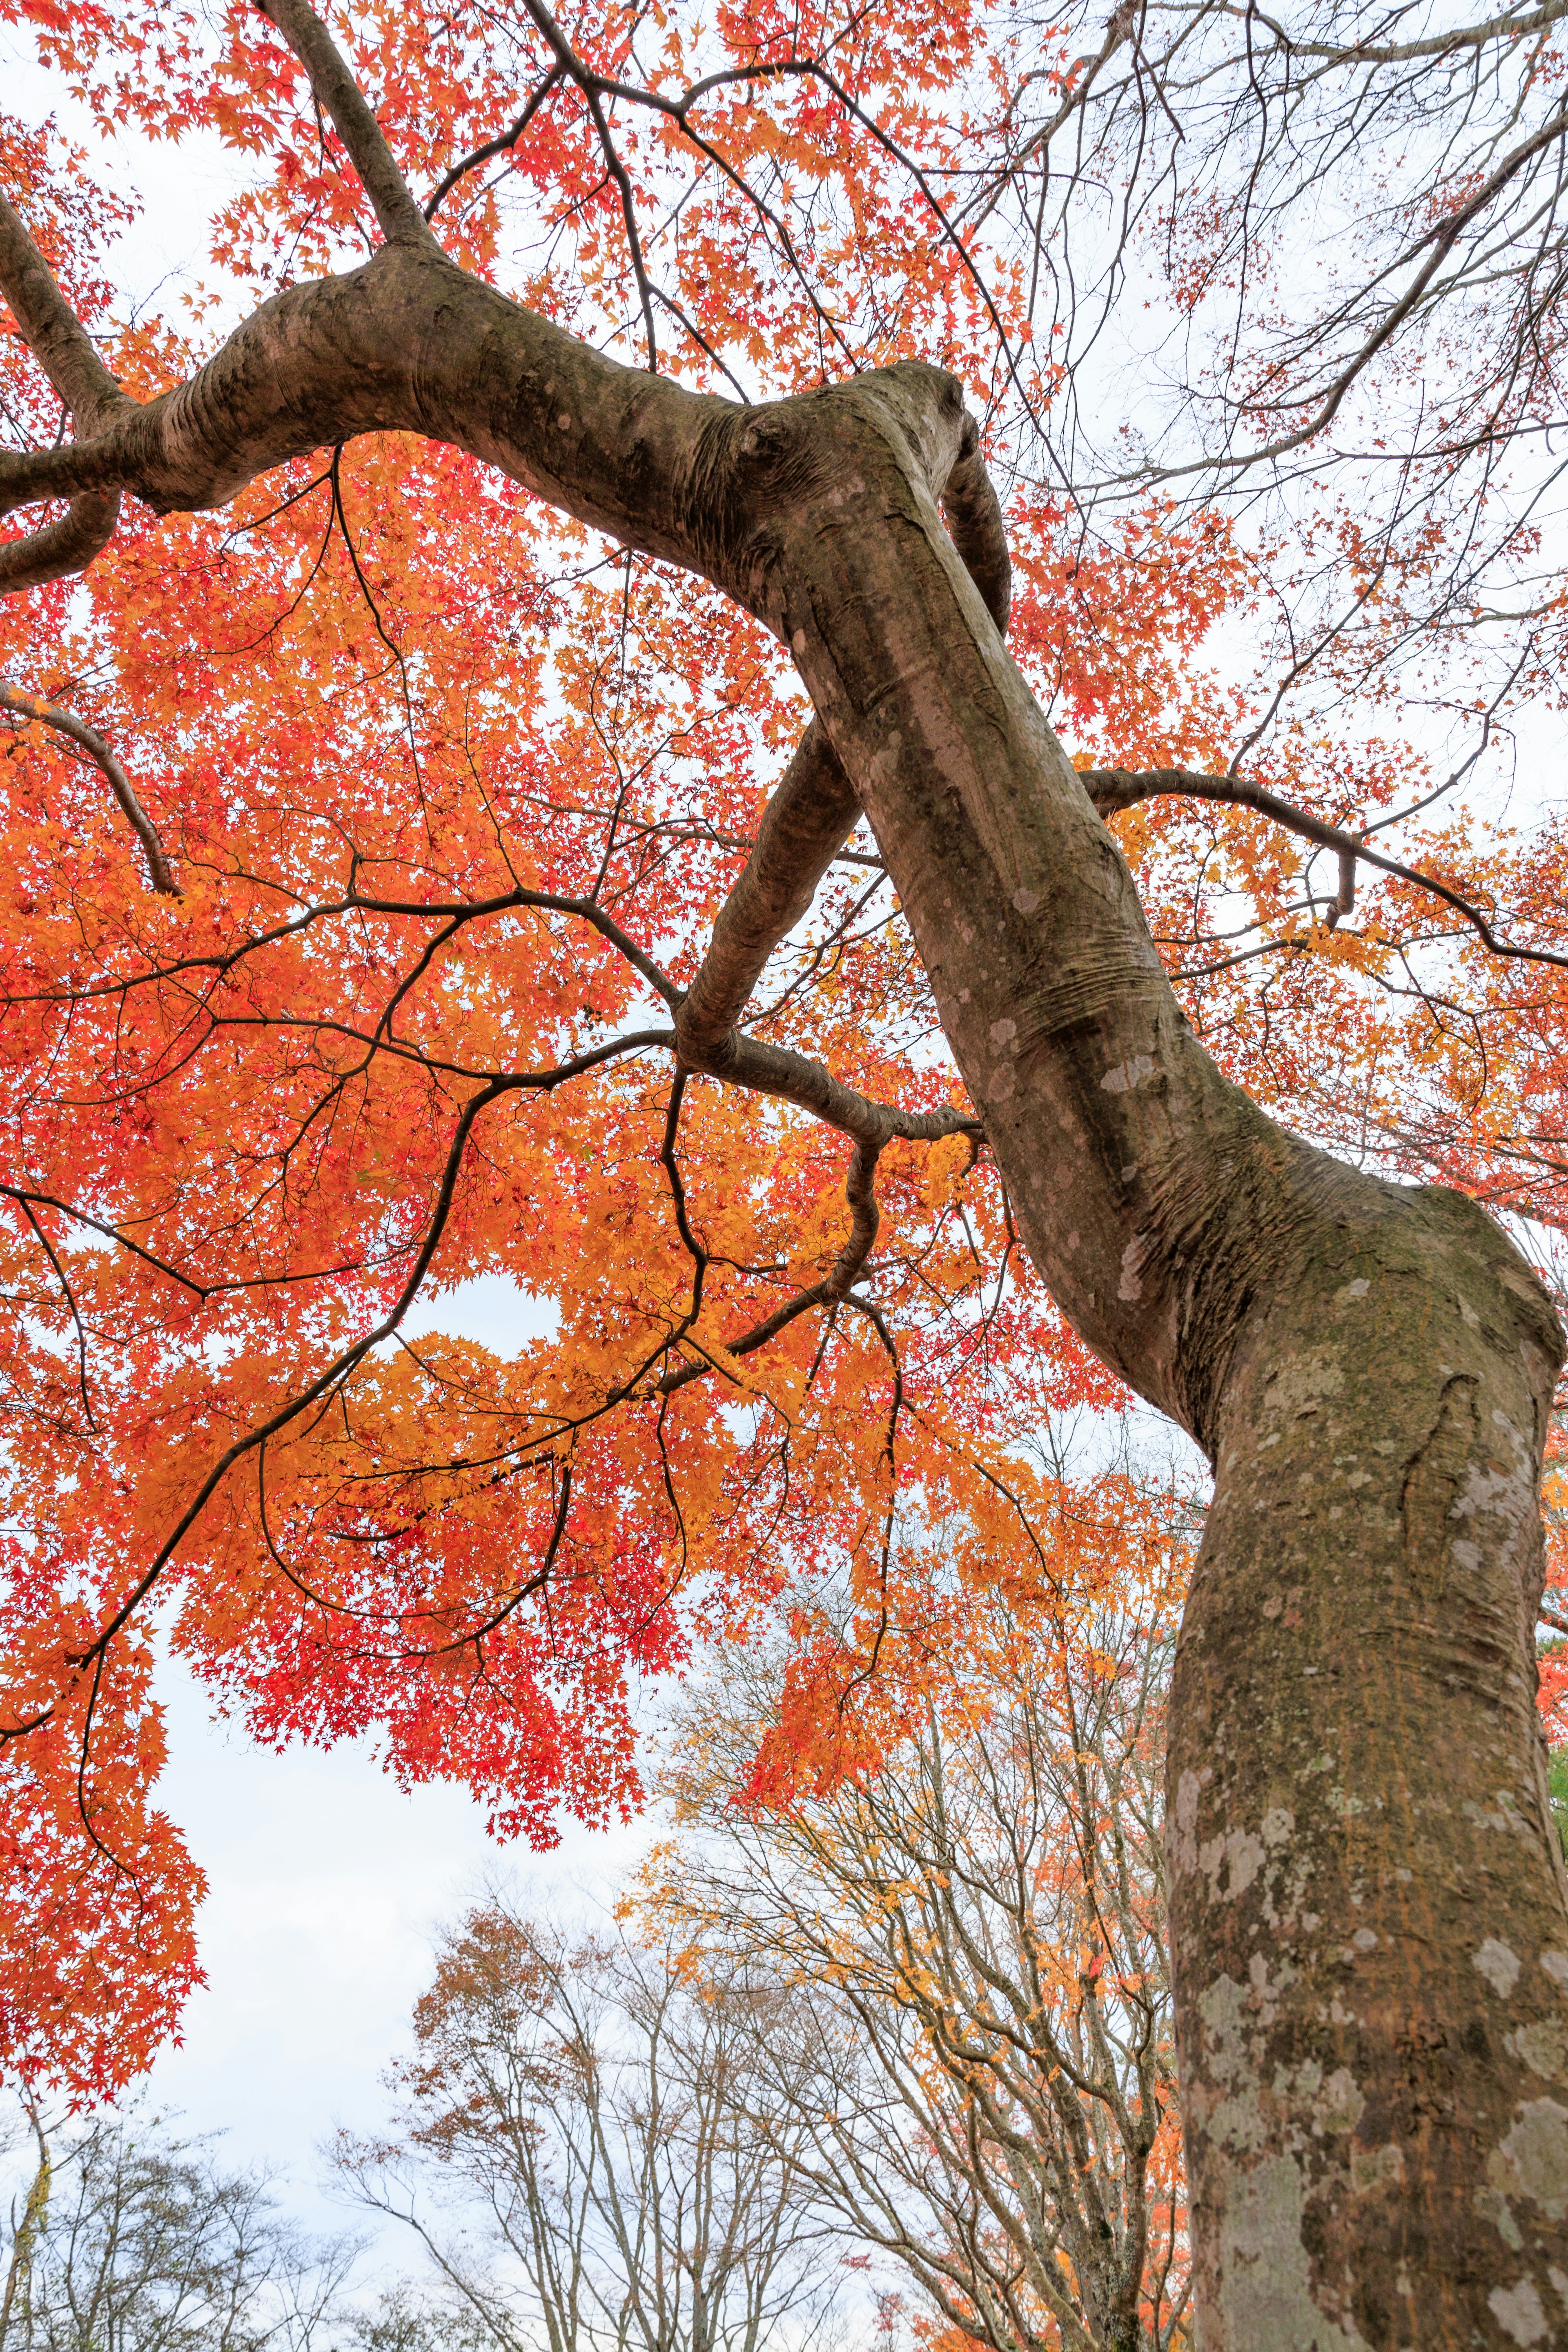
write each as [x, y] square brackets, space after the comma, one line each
[132, 2239]
[598, 2108]
[409, 2318]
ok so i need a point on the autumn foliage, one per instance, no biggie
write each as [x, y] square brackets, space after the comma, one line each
[963, 1884]
[450, 793]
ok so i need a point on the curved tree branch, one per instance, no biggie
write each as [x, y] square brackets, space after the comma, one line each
[66, 352]
[1512, 25]
[61, 550]
[55, 335]
[65, 722]
[859, 1191]
[1119, 788]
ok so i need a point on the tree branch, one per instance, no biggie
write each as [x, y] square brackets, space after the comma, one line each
[811, 814]
[62, 550]
[53, 334]
[973, 513]
[500, 145]
[1119, 788]
[1442, 240]
[400, 218]
[65, 722]
[1510, 25]
[859, 1191]
[65, 350]
[407, 342]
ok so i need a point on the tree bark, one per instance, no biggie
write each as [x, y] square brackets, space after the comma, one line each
[1368, 1902]
[1369, 1910]
[1367, 1899]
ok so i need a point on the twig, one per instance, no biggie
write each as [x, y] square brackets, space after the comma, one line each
[499, 145]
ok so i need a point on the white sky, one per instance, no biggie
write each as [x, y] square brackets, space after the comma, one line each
[326, 1884]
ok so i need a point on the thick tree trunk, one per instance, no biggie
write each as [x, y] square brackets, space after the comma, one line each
[1367, 1900]
[1370, 1918]
[1369, 1915]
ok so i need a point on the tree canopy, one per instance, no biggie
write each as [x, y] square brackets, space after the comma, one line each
[420, 867]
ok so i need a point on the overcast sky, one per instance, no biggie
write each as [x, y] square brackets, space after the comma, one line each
[326, 1886]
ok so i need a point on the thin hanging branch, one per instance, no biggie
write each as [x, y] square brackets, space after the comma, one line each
[859, 1191]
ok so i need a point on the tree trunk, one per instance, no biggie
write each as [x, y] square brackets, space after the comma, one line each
[1368, 1901]
[1370, 1919]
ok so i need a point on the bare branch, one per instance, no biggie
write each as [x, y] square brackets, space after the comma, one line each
[1118, 788]
[1510, 25]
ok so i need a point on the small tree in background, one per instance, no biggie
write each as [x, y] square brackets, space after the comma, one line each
[132, 2239]
[970, 1898]
[640, 2187]
[408, 2318]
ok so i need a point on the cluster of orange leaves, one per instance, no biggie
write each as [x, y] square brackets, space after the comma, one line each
[238, 1122]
